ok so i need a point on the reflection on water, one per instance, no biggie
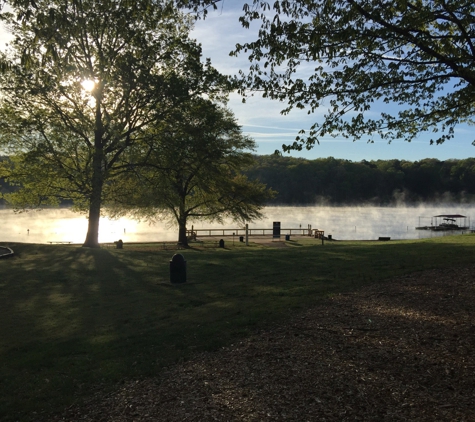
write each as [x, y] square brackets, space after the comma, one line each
[345, 223]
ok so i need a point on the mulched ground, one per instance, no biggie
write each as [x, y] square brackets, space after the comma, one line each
[398, 351]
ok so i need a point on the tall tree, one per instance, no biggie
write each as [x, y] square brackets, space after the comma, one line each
[354, 56]
[82, 82]
[194, 171]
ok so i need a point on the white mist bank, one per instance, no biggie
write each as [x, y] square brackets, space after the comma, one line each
[344, 223]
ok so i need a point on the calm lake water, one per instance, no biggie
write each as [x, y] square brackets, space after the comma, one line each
[343, 223]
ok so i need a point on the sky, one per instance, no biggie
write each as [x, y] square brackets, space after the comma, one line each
[261, 118]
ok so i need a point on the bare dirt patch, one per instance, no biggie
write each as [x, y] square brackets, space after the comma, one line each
[396, 351]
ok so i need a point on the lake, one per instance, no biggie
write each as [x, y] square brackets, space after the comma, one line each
[343, 223]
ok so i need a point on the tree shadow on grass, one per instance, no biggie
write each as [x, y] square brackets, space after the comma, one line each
[84, 317]
[73, 318]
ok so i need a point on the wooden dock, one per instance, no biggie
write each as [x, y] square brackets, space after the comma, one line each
[197, 233]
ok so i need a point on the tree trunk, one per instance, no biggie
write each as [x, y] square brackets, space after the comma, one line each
[97, 182]
[181, 219]
[182, 240]
[92, 237]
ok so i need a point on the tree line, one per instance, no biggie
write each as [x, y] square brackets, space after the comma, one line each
[299, 181]
[338, 181]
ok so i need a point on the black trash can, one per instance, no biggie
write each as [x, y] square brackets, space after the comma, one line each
[177, 269]
[287, 237]
[241, 238]
[221, 243]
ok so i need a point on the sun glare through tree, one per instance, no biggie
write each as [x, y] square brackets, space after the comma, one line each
[88, 84]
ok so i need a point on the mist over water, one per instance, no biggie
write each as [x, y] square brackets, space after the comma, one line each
[343, 223]
[367, 222]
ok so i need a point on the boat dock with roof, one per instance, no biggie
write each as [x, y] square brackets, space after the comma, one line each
[446, 222]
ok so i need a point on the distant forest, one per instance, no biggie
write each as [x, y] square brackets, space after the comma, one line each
[332, 181]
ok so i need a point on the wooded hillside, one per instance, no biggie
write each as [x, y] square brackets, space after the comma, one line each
[338, 181]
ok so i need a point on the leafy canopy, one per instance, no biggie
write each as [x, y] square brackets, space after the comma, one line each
[352, 57]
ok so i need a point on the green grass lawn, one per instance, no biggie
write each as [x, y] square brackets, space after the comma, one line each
[73, 320]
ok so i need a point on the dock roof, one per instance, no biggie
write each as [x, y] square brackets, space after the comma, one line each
[451, 216]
